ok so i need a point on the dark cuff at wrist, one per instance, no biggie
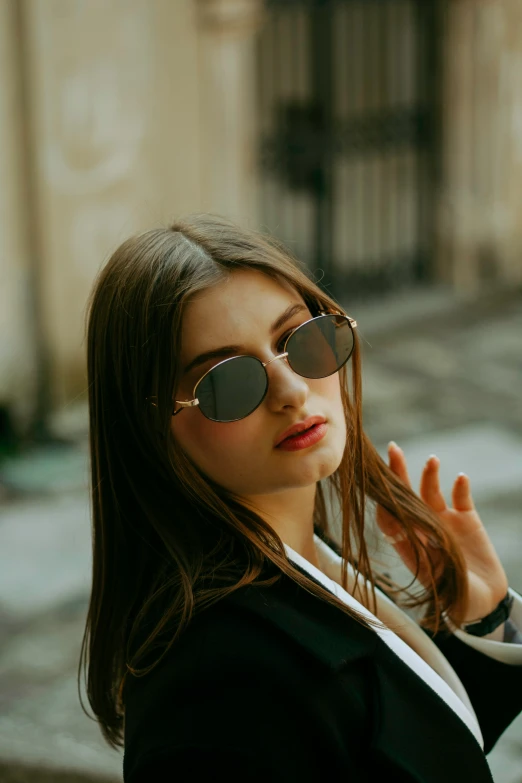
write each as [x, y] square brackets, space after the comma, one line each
[490, 623]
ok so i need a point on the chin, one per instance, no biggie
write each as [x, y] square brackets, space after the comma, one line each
[315, 470]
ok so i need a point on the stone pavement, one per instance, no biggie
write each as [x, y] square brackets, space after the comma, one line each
[441, 375]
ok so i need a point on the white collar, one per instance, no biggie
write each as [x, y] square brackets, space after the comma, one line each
[413, 646]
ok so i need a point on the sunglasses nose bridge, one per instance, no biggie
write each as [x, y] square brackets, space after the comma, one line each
[280, 356]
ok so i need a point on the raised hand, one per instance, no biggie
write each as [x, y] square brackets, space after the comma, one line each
[487, 579]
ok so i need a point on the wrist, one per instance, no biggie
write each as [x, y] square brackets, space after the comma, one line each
[492, 626]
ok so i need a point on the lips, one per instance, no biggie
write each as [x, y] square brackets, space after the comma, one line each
[299, 426]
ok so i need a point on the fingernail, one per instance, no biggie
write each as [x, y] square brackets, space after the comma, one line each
[465, 475]
[392, 445]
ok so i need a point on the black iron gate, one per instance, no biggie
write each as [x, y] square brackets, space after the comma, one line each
[348, 137]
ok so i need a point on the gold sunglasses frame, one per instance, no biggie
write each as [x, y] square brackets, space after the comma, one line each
[194, 402]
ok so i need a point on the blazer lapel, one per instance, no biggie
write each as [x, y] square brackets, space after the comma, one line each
[406, 638]
[415, 728]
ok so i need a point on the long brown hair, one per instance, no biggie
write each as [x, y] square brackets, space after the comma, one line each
[162, 530]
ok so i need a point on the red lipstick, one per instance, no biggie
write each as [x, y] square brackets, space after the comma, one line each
[303, 434]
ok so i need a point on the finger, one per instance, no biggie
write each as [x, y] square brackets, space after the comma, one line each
[461, 494]
[430, 490]
[398, 462]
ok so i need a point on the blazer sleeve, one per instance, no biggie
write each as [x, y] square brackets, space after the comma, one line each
[506, 652]
[491, 673]
[511, 633]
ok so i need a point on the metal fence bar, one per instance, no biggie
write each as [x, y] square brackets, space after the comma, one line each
[356, 150]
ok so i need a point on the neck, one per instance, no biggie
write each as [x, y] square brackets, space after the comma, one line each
[290, 514]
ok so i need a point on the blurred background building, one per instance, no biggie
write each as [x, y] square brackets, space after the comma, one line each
[380, 139]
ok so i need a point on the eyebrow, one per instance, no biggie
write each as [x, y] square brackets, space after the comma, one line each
[228, 350]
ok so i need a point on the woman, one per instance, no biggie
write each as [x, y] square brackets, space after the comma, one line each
[236, 628]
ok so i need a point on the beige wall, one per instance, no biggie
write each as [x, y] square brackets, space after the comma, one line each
[17, 359]
[115, 124]
[229, 113]
[480, 225]
[133, 111]
[136, 111]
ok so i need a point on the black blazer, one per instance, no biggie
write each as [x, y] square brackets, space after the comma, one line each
[273, 684]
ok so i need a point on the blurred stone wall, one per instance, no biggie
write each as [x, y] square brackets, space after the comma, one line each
[116, 116]
[480, 204]
[17, 328]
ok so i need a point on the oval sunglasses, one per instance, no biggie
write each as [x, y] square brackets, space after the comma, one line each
[233, 388]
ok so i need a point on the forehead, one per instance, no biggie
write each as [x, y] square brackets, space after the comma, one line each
[246, 300]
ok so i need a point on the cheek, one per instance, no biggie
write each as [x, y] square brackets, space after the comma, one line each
[329, 388]
[211, 443]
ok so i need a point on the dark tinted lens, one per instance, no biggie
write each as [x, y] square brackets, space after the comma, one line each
[320, 347]
[233, 389]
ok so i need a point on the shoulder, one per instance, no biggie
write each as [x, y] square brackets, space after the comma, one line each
[237, 680]
[225, 639]
[270, 627]
[257, 638]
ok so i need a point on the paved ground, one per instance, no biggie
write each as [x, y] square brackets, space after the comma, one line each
[440, 376]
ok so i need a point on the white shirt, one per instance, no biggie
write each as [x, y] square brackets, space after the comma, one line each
[409, 641]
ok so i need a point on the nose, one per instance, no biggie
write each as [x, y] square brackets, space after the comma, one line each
[285, 386]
